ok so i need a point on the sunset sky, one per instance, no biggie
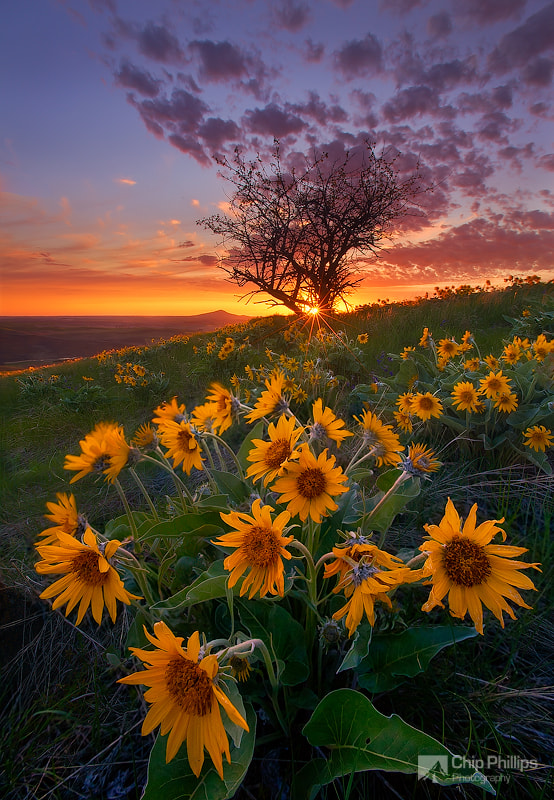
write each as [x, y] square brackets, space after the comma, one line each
[113, 109]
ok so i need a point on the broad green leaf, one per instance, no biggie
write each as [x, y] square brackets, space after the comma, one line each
[202, 524]
[208, 586]
[176, 781]
[246, 446]
[281, 634]
[236, 489]
[405, 654]
[214, 501]
[359, 648]
[360, 738]
[382, 517]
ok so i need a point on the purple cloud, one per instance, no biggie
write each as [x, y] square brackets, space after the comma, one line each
[359, 57]
[273, 121]
[132, 77]
[524, 43]
[439, 25]
[539, 72]
[216, 132]
[411, 102]
[313, 51]
[485, 12]
[290, 14]
[220, 60]
[156, 42]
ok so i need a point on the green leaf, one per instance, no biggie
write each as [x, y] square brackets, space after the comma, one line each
[360, 738]
[230, 485]
[176, 781]
[246, 446]
[210, 585]
[405, 654]
[282, 634]
[359, 649]
[382, 517]
[202, 524]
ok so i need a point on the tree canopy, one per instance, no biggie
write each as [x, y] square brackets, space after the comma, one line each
[295, 234]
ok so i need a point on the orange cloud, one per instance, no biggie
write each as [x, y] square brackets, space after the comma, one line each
[126, 181]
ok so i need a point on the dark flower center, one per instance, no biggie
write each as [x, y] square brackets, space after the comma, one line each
[261, 546]
[189, 686]
[277, 452]
[465, 562]
[311, 483]
[85, 568]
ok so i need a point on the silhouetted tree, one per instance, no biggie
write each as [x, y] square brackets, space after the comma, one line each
[296, 235]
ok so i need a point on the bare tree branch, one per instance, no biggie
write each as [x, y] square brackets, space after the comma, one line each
[296, 236]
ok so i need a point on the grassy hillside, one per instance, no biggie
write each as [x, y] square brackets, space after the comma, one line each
[68, 730]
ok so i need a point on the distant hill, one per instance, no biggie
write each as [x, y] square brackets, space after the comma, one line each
[32, 341]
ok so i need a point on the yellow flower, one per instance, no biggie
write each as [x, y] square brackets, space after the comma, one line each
[465, 396]
[184, 699]
[420, 460]
[403, 420]
[64, 513]
[511, 353]
[171, 411]
[182, 445]
[103, 450]
[426, 338]
[472, 364]
[363, 338]
[145, 436]
[494, 384]
[467, 338]
[240, 668]
[425, 405]
[404, 402]
[326, 424]
[542, 347]
[260, 549]
[204, 417]
[492, 362]
[366, 574]
[406, 352]
[506, 402]
[448, 348]
[310, 484]
[270, 458]
[226, 406]
[463, 564]
[384, 444]
[272, 400]
[88, 577]
[538, 437]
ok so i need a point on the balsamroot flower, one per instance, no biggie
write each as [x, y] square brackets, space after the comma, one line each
[103, 450]
[309, 485]
[184, 699]
[465, 396]
[226, 406]
[425, 405]
[538, 438]
[384, 445]
[326, 424]
[64, 513]
[269, 459]
[88, 577]
[272, 400]
[494, 384]
[420, 461]
[182, 444]
[464, 564]
[366, 574]
[260, 549]
[171, 411]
